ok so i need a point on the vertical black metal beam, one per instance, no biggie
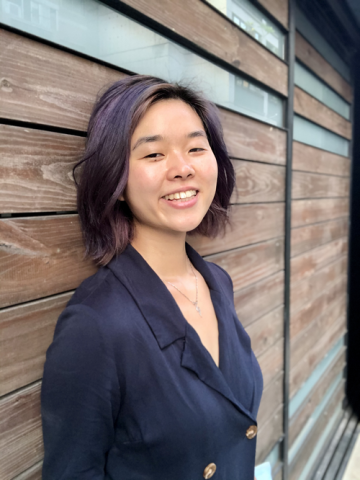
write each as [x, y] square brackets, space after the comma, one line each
[289, 149]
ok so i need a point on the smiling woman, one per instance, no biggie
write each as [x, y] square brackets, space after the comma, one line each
[150, 373]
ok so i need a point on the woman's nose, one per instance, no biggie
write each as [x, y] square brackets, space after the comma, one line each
[180, 166]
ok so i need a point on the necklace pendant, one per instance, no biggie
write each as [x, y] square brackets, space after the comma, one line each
[198, 310]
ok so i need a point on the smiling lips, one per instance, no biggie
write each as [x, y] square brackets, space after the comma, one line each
[180, 196]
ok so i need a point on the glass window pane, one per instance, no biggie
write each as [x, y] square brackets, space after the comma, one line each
[312, 134]
[90, 27]
[318, 89]
[249, 18]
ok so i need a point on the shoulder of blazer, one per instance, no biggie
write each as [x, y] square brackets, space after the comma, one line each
[223, 279]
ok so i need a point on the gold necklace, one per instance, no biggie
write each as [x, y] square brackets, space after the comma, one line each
[196, 304]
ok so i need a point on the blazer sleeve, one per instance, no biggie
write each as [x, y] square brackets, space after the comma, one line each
[80, 398]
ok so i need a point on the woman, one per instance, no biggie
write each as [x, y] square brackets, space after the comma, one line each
[150, 374]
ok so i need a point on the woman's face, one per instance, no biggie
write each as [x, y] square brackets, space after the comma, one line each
[170, 159]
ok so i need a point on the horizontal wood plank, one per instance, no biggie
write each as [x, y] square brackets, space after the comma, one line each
[260, 298]
[279, 9]
[197, 22]
[267, 330]
[312, 185]
[313, 60]
[249, 264]
[312, 286]
[302, 371]
[271, 398]
[256, 182]
[269, 434]
[249, 224]
[40, 256]
[45, 85]
[315, 433]
[33, 473]
[311, 159]
[304, 212]
[311, 108]
[312, 236]
[306, 264]
[314, 398]
[272, 362]
[21, 435]
[26, 331]
[249, 139]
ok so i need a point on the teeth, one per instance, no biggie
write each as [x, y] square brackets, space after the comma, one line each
[180, 195]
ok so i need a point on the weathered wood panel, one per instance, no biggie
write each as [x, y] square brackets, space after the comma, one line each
[249, 224]
[249, 139]
[260, 298]
[256, 182]
[312, 59]
[313, 185]
[314, 435]
[26, 331]
[36, 170]
[197, 22]
[309, 288]
[318, 210]
[312, 236]
[41, 84]
[249, 264]
[311, 108]
[279, 9]
[40, 256]
[312, 159]
[314, 398]
[21, 436]
[269, 434]
[267, 330]
[271, 398]
[303, 369]
[272, 362]
[33, 473]
[308, 263]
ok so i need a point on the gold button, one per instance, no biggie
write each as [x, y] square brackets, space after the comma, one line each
[251, 432]
[209, 470]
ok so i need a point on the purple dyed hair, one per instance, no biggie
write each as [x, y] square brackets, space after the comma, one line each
[107, 223]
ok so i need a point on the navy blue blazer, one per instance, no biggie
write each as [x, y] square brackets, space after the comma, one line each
[129, 391]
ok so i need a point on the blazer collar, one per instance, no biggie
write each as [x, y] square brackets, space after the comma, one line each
[152, 296]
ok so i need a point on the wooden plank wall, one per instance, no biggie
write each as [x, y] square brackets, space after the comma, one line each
[319, 246]
[40, 243]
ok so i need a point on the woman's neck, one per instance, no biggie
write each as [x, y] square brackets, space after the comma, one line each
[164, 251]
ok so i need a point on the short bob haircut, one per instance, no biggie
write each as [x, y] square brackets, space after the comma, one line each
[107, 223]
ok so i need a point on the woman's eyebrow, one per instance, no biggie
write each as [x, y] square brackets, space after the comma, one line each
[198, 133]
[157, 138]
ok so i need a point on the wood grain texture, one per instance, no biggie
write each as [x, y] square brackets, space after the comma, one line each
[315, 433]
[259, 298]
[312, 236]
[269, 434]
[313, 185]
[249, 224]
[310, 403]
[311, 108]
[40, 256]
[21, 435]
[256, 182]
[279, 9]
[313, 60]
[26, 332]
[249, 264]
[197, 22]
[304, 212]
[249, 139]
[271, 398]
[272, 362]
[267, 330]
[41, 84]
[311, 287]
[33, 473]
[311, 159]
[306, 264]
[302, 371]
[36, 170]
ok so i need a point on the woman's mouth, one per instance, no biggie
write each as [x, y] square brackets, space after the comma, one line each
[181, 196]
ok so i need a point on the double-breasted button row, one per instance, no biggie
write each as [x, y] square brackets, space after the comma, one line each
[251, 432]
[209, 470]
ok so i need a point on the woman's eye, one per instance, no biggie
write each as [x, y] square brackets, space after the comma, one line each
[197, 149]
[153, 155]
